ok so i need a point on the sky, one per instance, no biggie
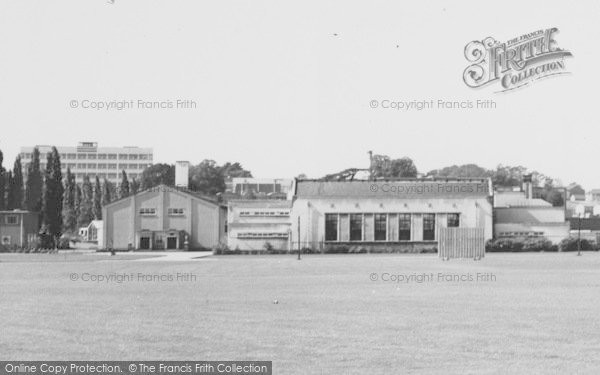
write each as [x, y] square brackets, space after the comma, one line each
[286, 87]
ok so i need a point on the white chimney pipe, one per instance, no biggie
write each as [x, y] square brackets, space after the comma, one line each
[182, 172]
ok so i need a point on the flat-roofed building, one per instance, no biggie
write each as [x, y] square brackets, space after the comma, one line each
[259, 224]
[89, 159]
[262, 187]
[398, 215]
[518, 215]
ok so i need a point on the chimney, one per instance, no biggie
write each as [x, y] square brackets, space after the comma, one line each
[528, 186]
[182, 171]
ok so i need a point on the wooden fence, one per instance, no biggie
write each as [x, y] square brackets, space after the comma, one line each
[461, 243]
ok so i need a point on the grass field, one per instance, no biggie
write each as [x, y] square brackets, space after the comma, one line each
[540, 315]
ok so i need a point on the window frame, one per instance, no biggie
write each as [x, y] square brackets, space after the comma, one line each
[404, 218]
[380, 227]
[355, 230]
[429, 234]
[332, 235]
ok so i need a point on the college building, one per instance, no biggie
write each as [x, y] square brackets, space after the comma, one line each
[165, 218]
[259, 224]
[89, 159]
[396, 215]
[517, 215]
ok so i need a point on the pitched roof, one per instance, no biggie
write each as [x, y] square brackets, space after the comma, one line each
[174, 189]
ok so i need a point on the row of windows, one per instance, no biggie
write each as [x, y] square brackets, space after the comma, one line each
[11, 220]
[150, 211]
[264, 213]
[96, 166]
[262, 235]
[110, 176]
[520, 234]
[175, 211]
[79, 156]
[381, 226]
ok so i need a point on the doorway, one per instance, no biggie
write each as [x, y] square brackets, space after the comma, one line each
[145, 243]
[171, 243]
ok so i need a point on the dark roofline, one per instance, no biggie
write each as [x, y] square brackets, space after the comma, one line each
[407, 179]
[163, 187]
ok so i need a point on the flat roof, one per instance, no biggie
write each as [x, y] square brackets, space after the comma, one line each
[394, 189]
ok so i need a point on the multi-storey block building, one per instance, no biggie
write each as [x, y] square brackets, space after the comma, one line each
[89, 159]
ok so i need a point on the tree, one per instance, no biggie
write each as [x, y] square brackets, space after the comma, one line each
[157, 174]
[86, 209]
[383, 166]
[68, 209]
[52, 198]
[134, 186]
[206, 178]
[77, 200]
[107, 192]
[17, 184]
[10, 194]
[232, 170]
[97, 204]
[124, 186]
[248, 194]
[33, 187]
[2, 184]
[461, 171]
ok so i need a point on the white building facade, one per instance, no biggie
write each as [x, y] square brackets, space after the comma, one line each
[397, 215]
[259, 225]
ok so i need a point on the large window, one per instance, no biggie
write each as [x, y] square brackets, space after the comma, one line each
[356, 227]
[428, 227]
[404, 227]
[453, 220]
[331, 227]
[380, 227]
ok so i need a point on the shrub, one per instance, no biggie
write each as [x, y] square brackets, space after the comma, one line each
[520, 244]
[268, 247]
[221, 249]
[570, 244]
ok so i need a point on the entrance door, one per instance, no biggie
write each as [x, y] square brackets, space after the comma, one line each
[145, 243]
[171, 242]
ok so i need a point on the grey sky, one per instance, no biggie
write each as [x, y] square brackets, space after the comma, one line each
[278, 91]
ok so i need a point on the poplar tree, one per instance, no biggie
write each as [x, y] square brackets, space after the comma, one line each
[17, 184]
[86, 210]
[124, 187]
[134, 186]
[77, 200]
[97, 205]
[10, 194]
[68, 208]
[52, 198]
[2, 184]
[106, 192]
[33, 187]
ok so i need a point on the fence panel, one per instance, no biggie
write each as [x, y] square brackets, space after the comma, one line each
[461, 243]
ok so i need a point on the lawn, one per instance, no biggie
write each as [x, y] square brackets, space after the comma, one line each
[538, 314]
